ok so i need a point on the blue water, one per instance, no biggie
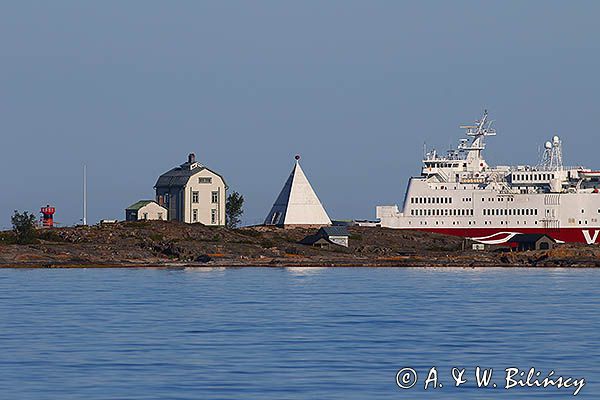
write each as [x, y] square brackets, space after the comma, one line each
[292, 333]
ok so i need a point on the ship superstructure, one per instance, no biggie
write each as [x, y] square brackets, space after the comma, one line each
[460, 194]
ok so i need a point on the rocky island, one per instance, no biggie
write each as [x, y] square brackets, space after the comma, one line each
[174, 244]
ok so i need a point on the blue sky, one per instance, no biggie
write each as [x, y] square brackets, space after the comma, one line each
[355, 87]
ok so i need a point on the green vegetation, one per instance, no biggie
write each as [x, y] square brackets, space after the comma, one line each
[267, 244]
[7, 237]
[234, 210]
[24, 227]
[355, 236]
[155, 236]
[50, 235]
[249, 232]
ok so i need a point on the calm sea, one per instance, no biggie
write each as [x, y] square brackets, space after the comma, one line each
[292, 333]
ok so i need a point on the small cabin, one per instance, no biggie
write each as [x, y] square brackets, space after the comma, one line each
[531, 241]
[145, 210]
[327, 237]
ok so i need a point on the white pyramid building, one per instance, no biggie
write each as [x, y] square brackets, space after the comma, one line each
[297, 204]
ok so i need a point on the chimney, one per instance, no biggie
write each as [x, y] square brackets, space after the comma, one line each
[191, 158]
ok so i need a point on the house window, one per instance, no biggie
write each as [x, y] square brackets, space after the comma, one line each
[195, 215]
[195, 197]
[145, 216]
[205, 180]
[160, 216]
[213, 216]
[215, 197]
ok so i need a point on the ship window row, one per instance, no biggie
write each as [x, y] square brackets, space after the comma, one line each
[442, 222]
[441, 212]
[506, 223]
[445, 165]
[510, 211]
[499, 199]
[431, 200]
[533, 177]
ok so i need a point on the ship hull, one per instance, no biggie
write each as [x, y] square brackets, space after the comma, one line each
[503, 235]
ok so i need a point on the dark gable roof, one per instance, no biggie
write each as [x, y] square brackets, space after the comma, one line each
[335, 230]
[528, 238]
[179, 176]
[324, 233]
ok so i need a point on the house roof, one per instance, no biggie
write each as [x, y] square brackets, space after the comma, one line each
[529, 237]
[335, 230]
[139, 204]
[314, 239]
[325, 233]
[179, 176]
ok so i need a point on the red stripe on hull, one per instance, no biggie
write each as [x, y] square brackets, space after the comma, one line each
[567, 235]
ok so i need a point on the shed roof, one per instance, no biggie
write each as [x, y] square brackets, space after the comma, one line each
[324, 233]
[335, 230]
[529, 237]
[313, 239]
[139, 204]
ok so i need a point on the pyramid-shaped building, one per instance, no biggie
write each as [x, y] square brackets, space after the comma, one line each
[297, 204]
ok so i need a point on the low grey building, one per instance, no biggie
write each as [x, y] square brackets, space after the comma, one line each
[531, 241]
[327, 237]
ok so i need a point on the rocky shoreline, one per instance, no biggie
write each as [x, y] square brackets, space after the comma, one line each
[159, 244]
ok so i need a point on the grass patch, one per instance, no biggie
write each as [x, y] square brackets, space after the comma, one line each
[248, 232]
[50, 235]
[267, 244]
[7, 237]
[157, 237]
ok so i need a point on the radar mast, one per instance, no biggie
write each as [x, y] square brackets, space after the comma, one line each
[478, 132]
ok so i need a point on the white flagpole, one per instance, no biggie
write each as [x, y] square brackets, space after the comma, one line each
[84, 194]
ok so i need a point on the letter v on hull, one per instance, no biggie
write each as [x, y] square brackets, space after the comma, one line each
[589, 238]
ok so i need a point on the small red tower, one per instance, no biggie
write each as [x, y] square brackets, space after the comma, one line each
[48, 216]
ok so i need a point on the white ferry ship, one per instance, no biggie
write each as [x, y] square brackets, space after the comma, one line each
[460, 194]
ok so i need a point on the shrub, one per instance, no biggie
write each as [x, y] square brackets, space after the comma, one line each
[234, 208]
[24, 227]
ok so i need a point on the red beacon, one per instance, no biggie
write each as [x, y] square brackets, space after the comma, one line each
[48, 216]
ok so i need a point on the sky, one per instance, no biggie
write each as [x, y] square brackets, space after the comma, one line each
[129, 88]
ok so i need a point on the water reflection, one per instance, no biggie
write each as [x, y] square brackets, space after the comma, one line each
[305, 271]
[206, 270]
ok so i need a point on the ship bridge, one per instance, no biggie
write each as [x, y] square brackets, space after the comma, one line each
[465, 163]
